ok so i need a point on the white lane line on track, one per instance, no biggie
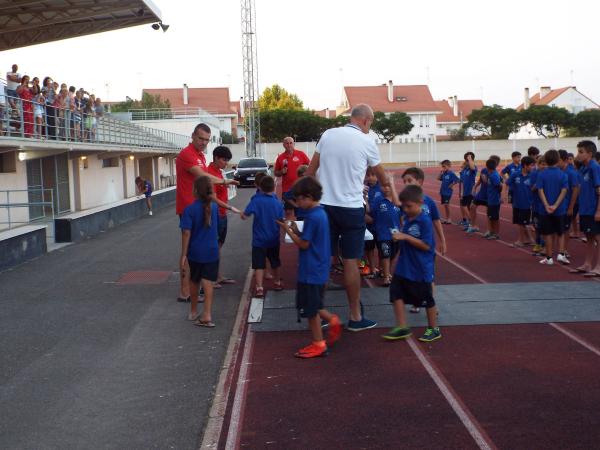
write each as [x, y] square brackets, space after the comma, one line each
[574, 336]
[237, 410]
[214, 425]
[463, 268]
[469, 421]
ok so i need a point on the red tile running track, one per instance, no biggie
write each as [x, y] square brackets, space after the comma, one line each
[589, 331]
[368, 394]
[529, 386]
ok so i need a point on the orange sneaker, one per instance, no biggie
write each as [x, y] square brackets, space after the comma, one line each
[334, 331]
[366, 270]
[312, 351]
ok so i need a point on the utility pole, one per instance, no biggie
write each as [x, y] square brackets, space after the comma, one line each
[250, 69]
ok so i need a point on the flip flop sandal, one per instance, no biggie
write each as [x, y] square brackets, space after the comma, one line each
[578, 270]
[204, 323]
[591, 274]
[227, 281]
[194, 317]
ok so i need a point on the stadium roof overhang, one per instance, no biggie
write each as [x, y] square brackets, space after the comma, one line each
[25, 22]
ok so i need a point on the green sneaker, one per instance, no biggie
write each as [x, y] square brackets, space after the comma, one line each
[397, 333]
[431, 334]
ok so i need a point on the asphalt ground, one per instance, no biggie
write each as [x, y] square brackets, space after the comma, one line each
[87, 361]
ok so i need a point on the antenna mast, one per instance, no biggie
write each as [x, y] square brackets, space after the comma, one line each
[250, 68]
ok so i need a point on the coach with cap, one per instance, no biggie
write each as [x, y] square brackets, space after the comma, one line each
[340, 162]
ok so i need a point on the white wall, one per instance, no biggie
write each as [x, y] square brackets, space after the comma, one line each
[395, 153]
[184, 126]
[99, 185]
[14, 181]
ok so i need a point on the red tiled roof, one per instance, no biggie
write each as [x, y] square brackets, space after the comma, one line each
[418, 98]
[465, 107]
[546, 99]
[213, 100]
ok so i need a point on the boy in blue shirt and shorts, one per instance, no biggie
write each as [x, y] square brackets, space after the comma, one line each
[494, 190]
[589, 207]
[413, 277]
[519, 183]
[386, 215]
[266, 209]
[552, 185]
[509, 169]
[468, 174]
[448, 179]
[313, 266]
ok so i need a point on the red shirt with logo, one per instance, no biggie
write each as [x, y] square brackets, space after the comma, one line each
[188, 157]
[219, 189]
[296, 159]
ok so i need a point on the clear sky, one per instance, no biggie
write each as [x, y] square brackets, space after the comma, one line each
[468, 48]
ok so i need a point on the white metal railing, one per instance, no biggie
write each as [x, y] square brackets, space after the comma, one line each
[36, 209]
[26, 118]
[170, 113]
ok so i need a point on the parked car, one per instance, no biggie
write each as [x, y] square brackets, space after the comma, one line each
[246, 170]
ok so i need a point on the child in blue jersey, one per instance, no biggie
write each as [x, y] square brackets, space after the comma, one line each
[413, 277]
[589, 207]
[537, 206]
[571, 198]
[468, 174]
[200, 249]
[552, 185]
[313, 266]
[144, 187]
[416, 176]
[509, 169]
[266, 209]
[522, 197]
[479, 199]
[448, 179]
[386, 214]
[494, 191]
[373, 194]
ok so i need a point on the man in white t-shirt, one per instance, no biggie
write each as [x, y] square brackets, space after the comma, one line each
[13, 79]
[340, 162]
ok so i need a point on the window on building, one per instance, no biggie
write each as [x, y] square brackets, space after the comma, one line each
[8, 162]
[110, 162]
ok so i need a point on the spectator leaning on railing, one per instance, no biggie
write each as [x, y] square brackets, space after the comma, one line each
[13, 80]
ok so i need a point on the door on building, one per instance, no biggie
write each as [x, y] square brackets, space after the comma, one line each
[146, 170]
[48, 181]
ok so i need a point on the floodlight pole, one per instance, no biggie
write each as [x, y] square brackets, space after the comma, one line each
[250, 69]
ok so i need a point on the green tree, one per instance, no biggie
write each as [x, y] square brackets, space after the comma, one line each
[587, 123]
[546, 120]
[302, 125]
[148, 101]
[494, 121]
[276, 97]
[388, 126]
[228, 138]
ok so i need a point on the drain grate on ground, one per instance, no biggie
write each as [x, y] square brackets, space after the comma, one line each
[144, 277]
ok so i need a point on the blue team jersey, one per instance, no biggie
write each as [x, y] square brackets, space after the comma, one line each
[520, 186]
[373, 194]
[590, 181]
[387, 216]
[573, 182]
[266, 209]
[204, 245]
[553, 181]
[494, 188]
[148, 187]
[313, 263]
[509, 170]
[467, 178]
[483, 184]
[430, 208]
[414, 264]
[448, 179]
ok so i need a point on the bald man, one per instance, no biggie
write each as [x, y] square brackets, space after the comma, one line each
[340, 162]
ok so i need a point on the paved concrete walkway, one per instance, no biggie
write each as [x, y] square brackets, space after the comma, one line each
[86, 362]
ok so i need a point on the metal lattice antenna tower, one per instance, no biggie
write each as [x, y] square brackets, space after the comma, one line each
[250, 68]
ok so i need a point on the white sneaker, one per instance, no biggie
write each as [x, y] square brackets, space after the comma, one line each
[563, 259]
[150, 213]
[547, 261]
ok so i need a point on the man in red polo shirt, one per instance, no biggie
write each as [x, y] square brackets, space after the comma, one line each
[191, 164]
[286, 167]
